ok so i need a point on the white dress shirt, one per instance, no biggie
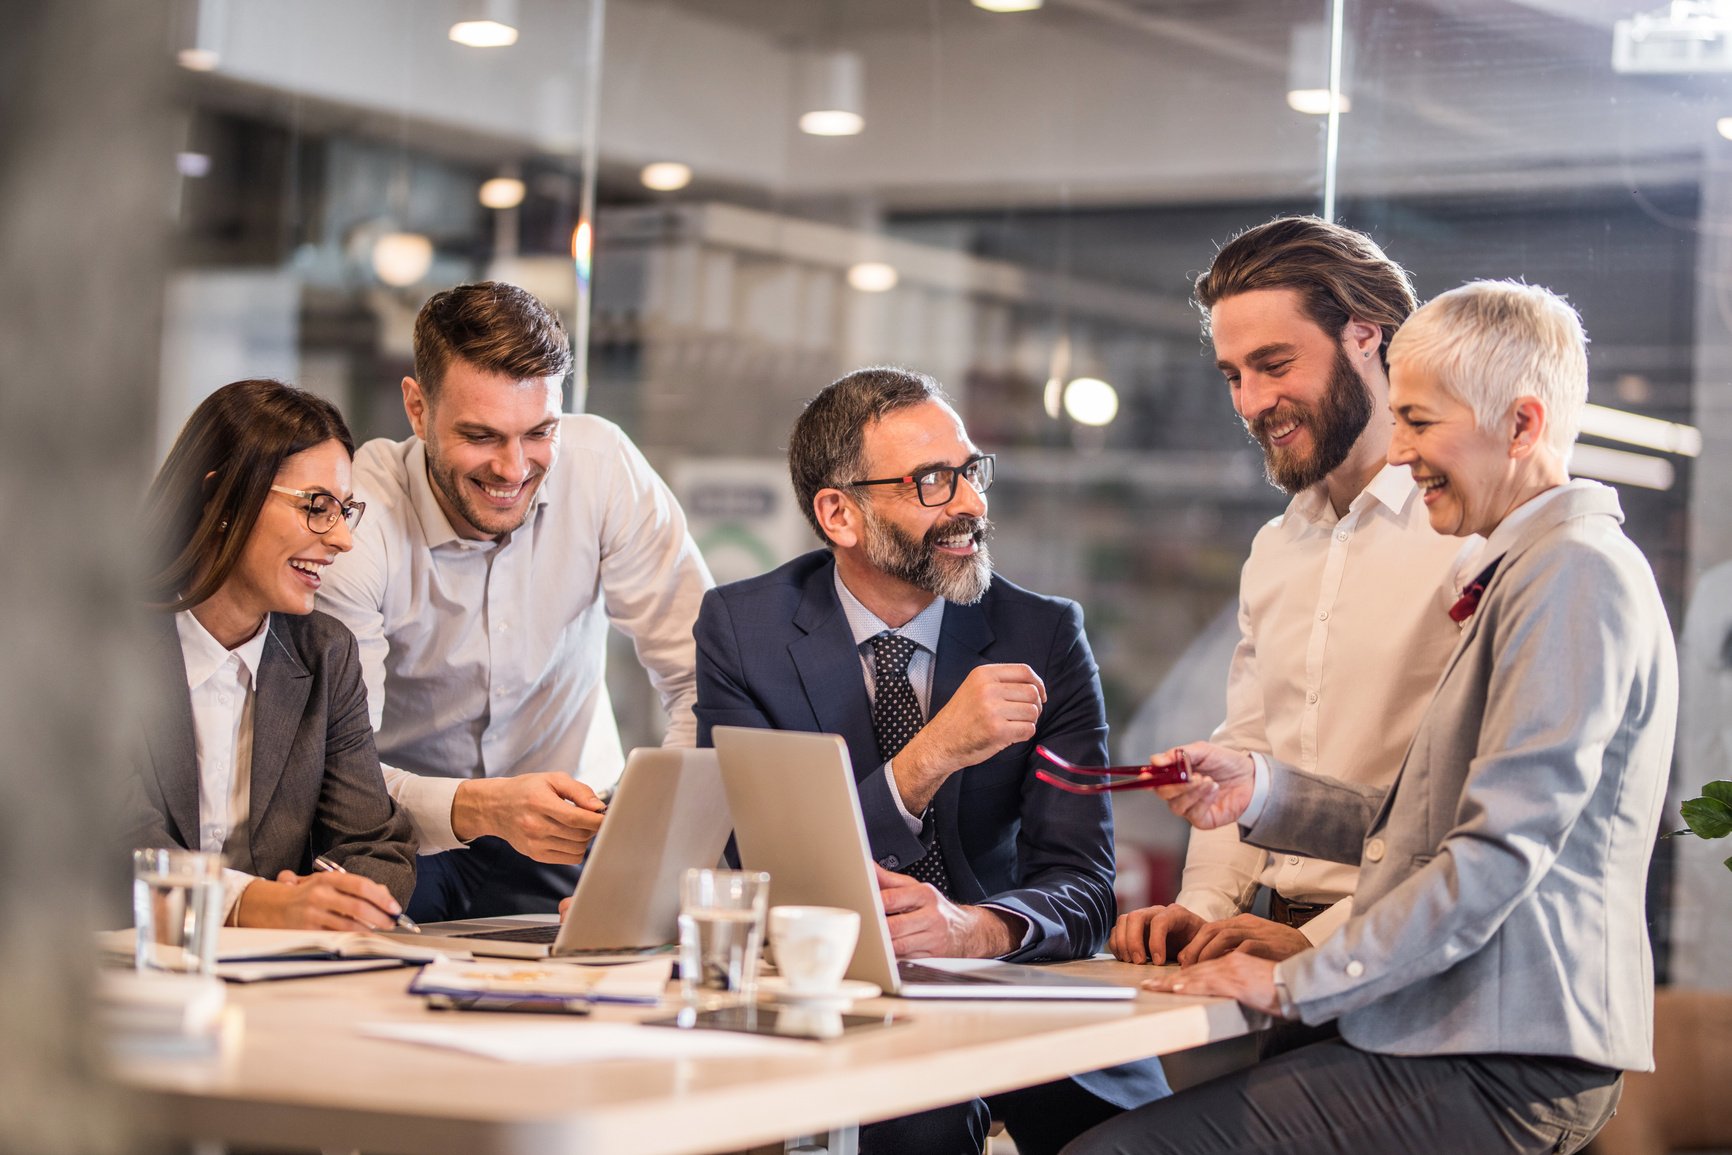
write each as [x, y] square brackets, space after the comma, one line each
[1344, 629]
[486, 658]
[221, 685]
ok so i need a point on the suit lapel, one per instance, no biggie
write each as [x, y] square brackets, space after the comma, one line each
[829, 668]
[279, 701]
[168, 734]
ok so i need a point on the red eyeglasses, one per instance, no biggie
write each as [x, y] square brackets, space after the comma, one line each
[1119, 777]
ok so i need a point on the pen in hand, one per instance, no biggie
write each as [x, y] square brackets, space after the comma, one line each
[323, 863]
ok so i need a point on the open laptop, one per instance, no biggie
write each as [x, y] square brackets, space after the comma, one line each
[668, 815]
[796, 815]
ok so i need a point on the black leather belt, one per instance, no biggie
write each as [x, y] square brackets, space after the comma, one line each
[1294, 914]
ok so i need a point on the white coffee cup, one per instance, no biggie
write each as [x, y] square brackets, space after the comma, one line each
[813, 945]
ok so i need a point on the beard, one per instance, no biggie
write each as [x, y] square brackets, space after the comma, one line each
[963, 580]
[1334, 425]
[460, 497]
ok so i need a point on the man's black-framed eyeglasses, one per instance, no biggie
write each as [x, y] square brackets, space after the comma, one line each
[937, 486]
[324, 511]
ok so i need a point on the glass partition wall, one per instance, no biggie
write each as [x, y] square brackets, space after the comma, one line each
[1014, 196]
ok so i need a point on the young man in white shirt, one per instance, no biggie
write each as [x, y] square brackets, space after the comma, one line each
[508, 538]
[1344, 602]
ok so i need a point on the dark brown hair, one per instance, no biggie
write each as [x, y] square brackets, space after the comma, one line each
[1339, 274]
[826, 448]
[494, 326]
[207, 496]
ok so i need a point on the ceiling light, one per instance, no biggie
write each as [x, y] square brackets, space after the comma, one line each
[192, 165]
[666, 176]
[502, 192]
[402, 259]
[204, 36]
[1724, 127]
[494, 27]
[832, 122]
[872, 277]
[1309, 79]
[1647, 432]
[830, 90]
[1316, 102]
[1091, 401]
[1009, 5]
[197, 59]
[1624, 468]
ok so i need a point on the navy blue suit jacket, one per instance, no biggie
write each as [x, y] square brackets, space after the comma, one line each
[776, 651]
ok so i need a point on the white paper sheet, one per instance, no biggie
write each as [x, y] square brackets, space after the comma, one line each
[581, 1042]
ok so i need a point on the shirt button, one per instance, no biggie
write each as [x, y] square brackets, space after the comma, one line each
[223, 699]
[891, 862]
[1342, 536]
[1374, 850]
[1292, 860]
[1322, 615]
[1355, 968]
[502, 627]
[1311, 697]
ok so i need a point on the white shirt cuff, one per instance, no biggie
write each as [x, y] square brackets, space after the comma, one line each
[234, 881]
[428, 801]
[1259, 792]
[914, 824]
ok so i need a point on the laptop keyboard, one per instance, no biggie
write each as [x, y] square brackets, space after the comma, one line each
[544, 934]
[913, 972]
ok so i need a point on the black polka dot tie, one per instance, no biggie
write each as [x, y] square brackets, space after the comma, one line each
[896, 717]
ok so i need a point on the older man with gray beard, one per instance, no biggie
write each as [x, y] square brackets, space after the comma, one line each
[942, 678]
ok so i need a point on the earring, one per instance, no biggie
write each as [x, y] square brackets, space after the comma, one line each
[1368, 352]
[222, 526]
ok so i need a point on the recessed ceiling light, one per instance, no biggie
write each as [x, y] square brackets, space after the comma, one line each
[666, 175]
[502, 192]
[1724, 127]
[873, 277]
[1009, 5]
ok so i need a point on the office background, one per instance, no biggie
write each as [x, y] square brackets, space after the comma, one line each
[1015, 201]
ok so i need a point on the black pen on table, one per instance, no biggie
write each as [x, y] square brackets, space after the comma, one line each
[323, 863]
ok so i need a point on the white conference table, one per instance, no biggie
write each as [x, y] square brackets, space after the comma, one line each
[299, 1073]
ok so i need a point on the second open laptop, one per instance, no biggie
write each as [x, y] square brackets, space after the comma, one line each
[796, 815]
[668, 814]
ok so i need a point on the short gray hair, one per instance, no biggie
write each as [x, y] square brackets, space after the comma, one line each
[1490, 342]
[827, 448]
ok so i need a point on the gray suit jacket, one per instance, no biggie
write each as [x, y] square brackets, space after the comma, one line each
[1500, 900]
[316, 784]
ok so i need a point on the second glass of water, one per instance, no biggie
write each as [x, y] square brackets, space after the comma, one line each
[721, 932]
[177, 906]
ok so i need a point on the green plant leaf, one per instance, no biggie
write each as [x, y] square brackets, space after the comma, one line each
[1729, 864]
[1719, 791]
[1708, 817]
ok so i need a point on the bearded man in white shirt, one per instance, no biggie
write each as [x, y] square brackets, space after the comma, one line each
[1344, 602]
[509, 537]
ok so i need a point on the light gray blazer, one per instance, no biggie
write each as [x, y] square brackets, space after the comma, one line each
[316, 784]
[1500, 900]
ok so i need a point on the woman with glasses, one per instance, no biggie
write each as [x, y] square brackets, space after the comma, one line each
[261, 746]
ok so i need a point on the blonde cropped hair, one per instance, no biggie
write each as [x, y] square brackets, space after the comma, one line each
[1490, 342]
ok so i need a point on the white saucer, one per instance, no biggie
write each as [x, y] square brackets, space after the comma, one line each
[775, 988]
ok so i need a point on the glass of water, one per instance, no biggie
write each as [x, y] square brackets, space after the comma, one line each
[177, 906]
[721, 931]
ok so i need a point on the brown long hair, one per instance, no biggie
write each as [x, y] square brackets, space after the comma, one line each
[206, 498]
[1340, 275]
